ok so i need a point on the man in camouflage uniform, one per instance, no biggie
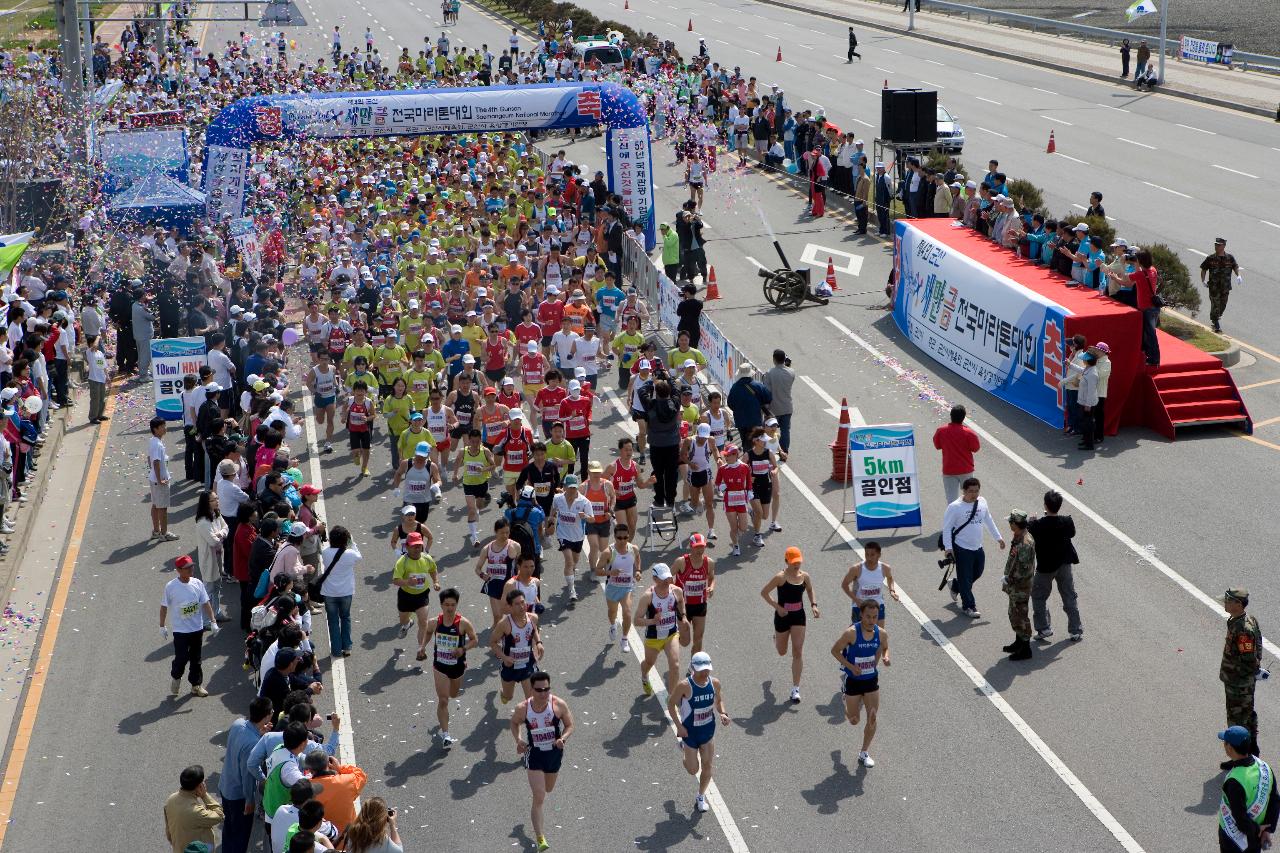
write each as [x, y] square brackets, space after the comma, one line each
[1019, 570]
[1218, 269]
[1241, 659]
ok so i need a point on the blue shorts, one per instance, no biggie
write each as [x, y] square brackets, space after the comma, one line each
[324, 402]
[698, 736]
[607, 323]
[493, 587]
[616, 593]
[512, 674]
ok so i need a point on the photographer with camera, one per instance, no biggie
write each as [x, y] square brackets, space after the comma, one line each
[961, 539]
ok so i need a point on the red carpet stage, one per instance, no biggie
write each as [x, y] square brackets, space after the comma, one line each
[1001, 322]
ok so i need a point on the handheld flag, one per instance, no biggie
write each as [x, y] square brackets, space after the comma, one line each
[1140, 8]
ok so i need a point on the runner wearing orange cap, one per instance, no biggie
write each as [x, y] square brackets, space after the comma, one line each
[788, 612]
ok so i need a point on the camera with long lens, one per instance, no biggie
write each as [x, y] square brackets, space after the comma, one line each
[946, 561]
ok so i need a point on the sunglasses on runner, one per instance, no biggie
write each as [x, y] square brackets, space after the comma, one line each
[542, 690]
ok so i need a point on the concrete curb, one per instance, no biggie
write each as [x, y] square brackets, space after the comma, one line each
[1230, 356]
[25, 517]
[1024, 58]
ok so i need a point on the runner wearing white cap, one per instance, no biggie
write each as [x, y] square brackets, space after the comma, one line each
[660, 612]
[699, 452]
[694, 704]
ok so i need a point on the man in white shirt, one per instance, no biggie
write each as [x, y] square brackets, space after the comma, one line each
[224, 371]
[181, 606]
[962, 526]
[562, 344]
[570, 510]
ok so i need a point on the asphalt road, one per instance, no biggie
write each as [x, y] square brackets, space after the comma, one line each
[973, 752]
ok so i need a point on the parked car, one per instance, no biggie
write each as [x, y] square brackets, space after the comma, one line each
[950, 133]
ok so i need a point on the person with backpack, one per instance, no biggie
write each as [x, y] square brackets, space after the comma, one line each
[337, 583]
[526, 519]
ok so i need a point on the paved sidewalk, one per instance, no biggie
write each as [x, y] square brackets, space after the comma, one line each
[1254, 92]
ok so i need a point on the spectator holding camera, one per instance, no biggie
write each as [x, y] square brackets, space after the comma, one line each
[962, 526]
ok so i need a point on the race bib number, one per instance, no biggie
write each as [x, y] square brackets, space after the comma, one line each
[417, 580]
[542, 489]
[475, 469]
[864, 665]
[190, 609]
[694, 589]
[577, 422]
[446, 648]
[544, 737]
[520, 656]
[626, 580]
[793, 606]
[597, 508]
[703, 716]
[735, 498]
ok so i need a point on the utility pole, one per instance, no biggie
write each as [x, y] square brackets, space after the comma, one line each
[73, 87]
[911, 15]
[1164, 28]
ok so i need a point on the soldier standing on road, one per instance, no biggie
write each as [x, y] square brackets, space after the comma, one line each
[1019, 569]
[1218, 269]
[1241, 660]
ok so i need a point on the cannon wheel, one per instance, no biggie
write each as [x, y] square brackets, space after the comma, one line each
[785, 289]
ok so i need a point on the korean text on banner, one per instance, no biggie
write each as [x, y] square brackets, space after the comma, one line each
[225, 181]
[1202, 50]
[172, 359]
[245, 235]
[882, 458]
[979, 323]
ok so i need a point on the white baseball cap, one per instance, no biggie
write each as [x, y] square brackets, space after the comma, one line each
[700, 662]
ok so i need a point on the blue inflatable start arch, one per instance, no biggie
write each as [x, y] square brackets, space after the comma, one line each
[358, 115]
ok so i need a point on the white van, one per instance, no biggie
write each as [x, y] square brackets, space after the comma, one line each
[596, 49]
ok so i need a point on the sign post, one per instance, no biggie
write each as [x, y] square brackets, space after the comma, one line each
[886, 488]
[172, 359]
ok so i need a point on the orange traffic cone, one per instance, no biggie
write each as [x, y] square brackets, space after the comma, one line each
[713, 289]
[691, 25]
[831, 275]
[840, 447]
[779, 59]
[626, 5]
[886, 82]
[1053, 146]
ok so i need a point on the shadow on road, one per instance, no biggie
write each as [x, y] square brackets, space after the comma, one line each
[840, 785]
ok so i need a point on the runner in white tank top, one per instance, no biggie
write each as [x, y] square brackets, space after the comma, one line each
[868, 580]
[619, 566]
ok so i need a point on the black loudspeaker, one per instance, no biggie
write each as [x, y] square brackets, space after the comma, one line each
[908, 115]
[35, 202]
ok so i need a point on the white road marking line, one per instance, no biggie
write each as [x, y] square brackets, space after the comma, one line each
[1269, 222]
[833, 405]
[988, 76]
[1056, 764]
[885, 70]
[1135, 142]
[825, 77]
[1058, 120]
[1235, 171]
[864, 123]
[1117, 109]
[989, 101]
[784, 62]
[1078, 206]
[812, 103]
[934, 85]
[1072, 159]
[1166, 189]
[1046, 91]
[1196, 252]
[755, 263]
[992, 132]
[1143, 554]
[891, 50]
[719, 41]
[871, 92]
[1196, 129]
[935, 62]
[745, 29]
[337, 663]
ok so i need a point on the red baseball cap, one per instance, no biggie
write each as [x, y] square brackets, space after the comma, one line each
[413, 539]
[184, 562]
[697, 540]
[309, 489]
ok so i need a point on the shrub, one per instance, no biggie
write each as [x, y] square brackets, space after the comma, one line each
[1026, 195]
[1176, 287]
[1098, 227]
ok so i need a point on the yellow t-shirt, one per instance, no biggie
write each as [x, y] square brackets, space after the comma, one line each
[419, 572]
[353, 352]
[675, 358]
[409, 440]
[391, 362]
[420, 384]
[475, 335]
[563, 455]
[396, 410]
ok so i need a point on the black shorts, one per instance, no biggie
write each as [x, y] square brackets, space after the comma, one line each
[624, 503]
[422, 510]
[698, 479]
[545, 760]
[493, 587]
[599, 528]
[782, 625]
[411, 602]
[510, 674]
[495, 376]
[545, 503]
[860, 686]
[477, 490]
[361, 440]
[696, 609]
[546, 341]
[459, 432]
[571, 545]
[450, 670]
[639, 416]
[762, 492]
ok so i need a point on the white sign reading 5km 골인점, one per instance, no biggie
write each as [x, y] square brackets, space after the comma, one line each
[886, 490]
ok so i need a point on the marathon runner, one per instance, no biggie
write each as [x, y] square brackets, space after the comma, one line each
[660, 611]
[697, 580]
[867, 581]
[792, 584]
[699, 452]
[693, 704]
[733, 482]
[408, 524]
[620, 566]
[454, 636]
[527, 583]
[600, 495]
[494, 566]
[546, 723]
[859, 651]
[440, 422]
[475, 464]
[764, 467]
[420, 478]
[571, 512]
[410, 576]
[517, 644]
[322, 382]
